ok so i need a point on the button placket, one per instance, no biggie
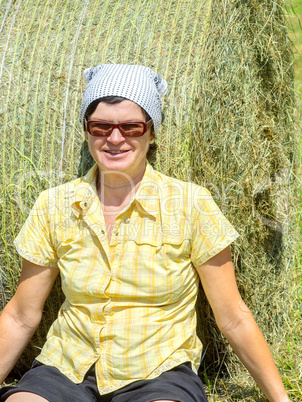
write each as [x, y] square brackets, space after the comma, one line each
[124, 228]
[115, 232]
[97, 226]
[115, 248]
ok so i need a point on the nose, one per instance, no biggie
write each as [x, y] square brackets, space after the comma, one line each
[116, 137]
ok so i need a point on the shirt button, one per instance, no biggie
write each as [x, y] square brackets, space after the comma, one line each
[103, 231]
[85, 204]
[127, 220]
[116, 234]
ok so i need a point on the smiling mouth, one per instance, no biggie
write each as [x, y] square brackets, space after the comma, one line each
[115, 152]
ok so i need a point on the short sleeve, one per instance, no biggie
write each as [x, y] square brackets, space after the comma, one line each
[211, 231]
[34, 240]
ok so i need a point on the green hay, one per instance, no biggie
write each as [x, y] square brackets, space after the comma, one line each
[228, 125]
[246, 99]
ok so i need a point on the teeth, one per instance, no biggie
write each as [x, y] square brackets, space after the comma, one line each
[115, 152]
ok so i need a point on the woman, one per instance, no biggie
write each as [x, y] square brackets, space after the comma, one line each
[130, 245]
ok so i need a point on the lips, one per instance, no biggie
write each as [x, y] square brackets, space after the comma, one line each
[112, 152]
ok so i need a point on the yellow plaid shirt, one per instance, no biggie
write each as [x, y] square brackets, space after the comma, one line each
[130, 304]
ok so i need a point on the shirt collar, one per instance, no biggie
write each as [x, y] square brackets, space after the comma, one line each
[147, 194]
[85, 192]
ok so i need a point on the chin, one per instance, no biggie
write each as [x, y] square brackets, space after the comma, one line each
[116, 167]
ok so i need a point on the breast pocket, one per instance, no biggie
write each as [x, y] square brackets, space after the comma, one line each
[156, 268]
[71, 238]
[176, 254]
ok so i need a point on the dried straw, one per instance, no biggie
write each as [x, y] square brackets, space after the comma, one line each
[228, 125]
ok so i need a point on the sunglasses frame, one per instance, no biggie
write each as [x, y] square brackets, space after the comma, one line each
[113, 126]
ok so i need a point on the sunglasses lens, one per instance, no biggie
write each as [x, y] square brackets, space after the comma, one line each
[99, 129]
[102, 128]
[132, 129]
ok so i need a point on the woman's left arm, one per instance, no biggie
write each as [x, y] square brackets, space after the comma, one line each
[237, 324]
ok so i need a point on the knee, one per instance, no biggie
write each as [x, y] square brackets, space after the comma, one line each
[25, 397]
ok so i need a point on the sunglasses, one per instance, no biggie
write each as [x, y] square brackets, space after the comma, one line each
[99, 128]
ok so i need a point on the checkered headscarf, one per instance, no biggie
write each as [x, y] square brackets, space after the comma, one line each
[134, 82]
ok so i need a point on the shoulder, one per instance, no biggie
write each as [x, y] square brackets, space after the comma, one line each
[170, 181]
[182, 199]
[59, 199]
[53, 194]
[187, 191]
[71, 190]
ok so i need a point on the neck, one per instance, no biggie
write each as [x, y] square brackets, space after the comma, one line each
[116, 188]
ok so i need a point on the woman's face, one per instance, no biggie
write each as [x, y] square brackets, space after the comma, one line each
[131, 158]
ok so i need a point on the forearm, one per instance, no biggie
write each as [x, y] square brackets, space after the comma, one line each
[14, 336]
[250, 346]
[236, 322]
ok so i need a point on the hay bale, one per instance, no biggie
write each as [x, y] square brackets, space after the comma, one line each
[228, 125]
[245, 129]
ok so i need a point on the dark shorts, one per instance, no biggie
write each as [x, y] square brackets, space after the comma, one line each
[180, 384]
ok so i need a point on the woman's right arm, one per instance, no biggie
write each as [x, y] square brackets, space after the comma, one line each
[22, 315]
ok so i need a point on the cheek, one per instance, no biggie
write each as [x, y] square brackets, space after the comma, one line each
[150, 137]
[90, 144]
[94, 142]
[94, 145]
[145, 146]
